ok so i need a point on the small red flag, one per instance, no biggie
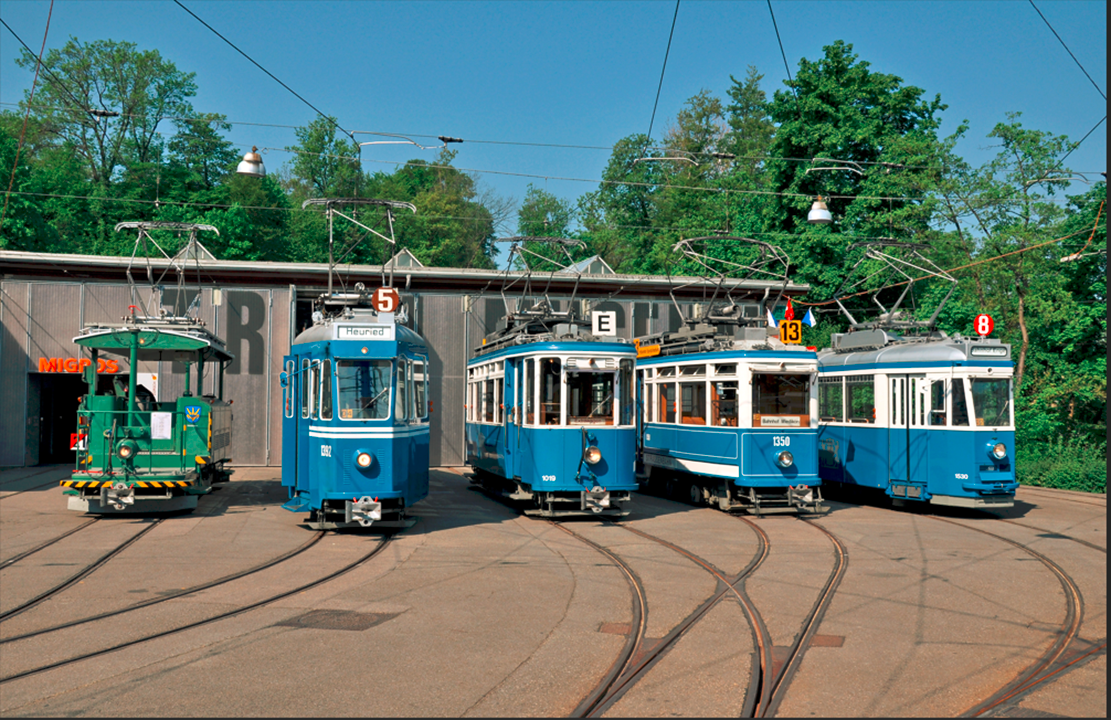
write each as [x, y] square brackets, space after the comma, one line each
[790, 314]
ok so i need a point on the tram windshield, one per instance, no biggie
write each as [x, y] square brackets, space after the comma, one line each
[590, 398]
[991, 401]
[364, 389]
[780, 400]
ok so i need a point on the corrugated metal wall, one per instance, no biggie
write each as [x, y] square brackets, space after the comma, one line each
[440, 322]
[14, 297]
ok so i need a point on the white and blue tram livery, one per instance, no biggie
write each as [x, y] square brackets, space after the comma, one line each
[550, 415]
[355, 432]
[924, 419]
[729, 418]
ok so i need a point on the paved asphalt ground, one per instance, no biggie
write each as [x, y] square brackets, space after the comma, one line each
[477, 610]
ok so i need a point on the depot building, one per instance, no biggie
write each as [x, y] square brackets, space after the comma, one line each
[258, 308]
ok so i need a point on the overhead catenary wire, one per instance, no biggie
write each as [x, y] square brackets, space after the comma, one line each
[260, 67]
[1095, 229]
[781, 50]
[662, 70]
[1100, 91]
[26, 115]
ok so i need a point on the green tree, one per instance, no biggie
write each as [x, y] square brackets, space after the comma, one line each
[325, 164]
[106, 101]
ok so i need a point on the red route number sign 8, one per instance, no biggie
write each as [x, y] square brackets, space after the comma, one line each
[984, 325]
[385, 300]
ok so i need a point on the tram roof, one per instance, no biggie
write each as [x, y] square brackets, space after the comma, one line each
[312, 278]
[157, 340]
[927, 351]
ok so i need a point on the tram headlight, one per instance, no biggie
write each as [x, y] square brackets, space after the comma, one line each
[127, 449]
[999, 451]
[785, 459]
[363, 459]
[592, 454]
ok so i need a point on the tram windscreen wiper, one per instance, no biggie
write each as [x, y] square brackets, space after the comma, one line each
[374, 400]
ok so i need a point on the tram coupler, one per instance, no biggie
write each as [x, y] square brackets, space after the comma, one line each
[803, 497]
[364, 511]
[117, 495]
[596, 499]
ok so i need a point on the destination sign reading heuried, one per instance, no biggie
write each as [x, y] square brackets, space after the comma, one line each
[365, 332]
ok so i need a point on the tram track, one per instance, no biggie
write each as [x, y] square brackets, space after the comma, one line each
[13, 493]
[1049, 493]
[43, 545]
[1054, 533]
[767, 684]
[378, 548]
[1043, 668]
[175, 594]
[73, 579]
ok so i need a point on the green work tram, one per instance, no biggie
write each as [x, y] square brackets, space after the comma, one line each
[138, 455]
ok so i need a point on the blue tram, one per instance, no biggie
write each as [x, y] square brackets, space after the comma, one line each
[355, 426]
[729, 417]
[925, 419]
[550, 415]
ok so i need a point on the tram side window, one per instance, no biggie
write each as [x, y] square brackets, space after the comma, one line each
[401, 404]
[860, 398]
[667, 402]
[960, 405]
[499, 395]
[937, 403]
[364, 389]
[625, 386]
[528, 389]
[831, 399]
[305, 388]
[991, 401]
[420, 387]
[326, 390]
[289, 369]
[488, 399]
[693, 397]
[723, 400]
[780, 400]
[550, 376]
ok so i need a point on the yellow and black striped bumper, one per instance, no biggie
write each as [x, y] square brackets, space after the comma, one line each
[90, 484]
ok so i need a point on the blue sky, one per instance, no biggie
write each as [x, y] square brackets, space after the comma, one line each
[580, 73]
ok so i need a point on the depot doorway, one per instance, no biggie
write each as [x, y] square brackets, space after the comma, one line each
[58, 396]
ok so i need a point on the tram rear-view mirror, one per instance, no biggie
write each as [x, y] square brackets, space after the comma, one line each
[284, 379]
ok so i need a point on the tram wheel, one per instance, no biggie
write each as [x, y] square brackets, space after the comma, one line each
[696, 494]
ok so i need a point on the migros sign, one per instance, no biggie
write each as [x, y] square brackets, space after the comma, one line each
[76, 365]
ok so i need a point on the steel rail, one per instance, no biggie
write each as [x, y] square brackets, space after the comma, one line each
[782, 680]
[220, 616]
[631, 673]
[176, 594]
[8, 614]
[1070, 629]
[42, 546]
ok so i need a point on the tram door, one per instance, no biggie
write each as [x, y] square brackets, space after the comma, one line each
[302, 415]
[907, 438]
[511, 420]
[290, 413]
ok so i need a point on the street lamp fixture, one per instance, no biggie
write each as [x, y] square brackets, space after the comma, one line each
[819, 213]
[251, 164]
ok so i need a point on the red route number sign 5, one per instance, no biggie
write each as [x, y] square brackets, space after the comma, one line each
[385, 300]
[984, 325]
